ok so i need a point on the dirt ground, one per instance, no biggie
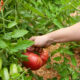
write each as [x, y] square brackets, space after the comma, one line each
[50, 73]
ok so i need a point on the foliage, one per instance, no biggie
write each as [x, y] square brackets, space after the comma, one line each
[22, 19]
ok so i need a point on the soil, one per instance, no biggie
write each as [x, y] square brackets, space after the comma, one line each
[50, 73]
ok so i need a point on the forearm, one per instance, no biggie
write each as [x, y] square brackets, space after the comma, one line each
[71, 33]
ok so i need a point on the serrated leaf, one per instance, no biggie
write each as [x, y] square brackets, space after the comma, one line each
[15, 75]
[7, 36]
[12, 24]
[9, 12]
[33, 9]
[29, 78]
[57, 23]
[2, 44]
[74, 75]
[66, 51]
[73, 60]
[19, 33]
[22, 45]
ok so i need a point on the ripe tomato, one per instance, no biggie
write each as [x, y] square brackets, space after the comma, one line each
[34, 61]
[44, 56]
[2, 3]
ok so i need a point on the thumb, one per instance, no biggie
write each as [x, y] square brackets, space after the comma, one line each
[33, 38]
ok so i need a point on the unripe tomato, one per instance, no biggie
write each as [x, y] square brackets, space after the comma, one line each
[0, 63]
[34, 61]
[5, 74]
[13, 69]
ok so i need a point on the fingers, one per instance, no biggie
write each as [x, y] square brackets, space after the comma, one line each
[37, 49]
[36, 44]
[31, 48]
[33, 38]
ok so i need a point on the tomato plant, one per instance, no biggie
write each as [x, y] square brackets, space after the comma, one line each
[21, 19]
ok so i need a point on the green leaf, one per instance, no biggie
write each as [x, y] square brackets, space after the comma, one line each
[15, 75]
[19, 33]
[7, 36]
[2, 44]
[57, 58]
[12, 24]
[66, 60]
[66, 78]
[23, 57]
[66, 51]
[33, 9]
[29, 78]
[22, 45]
[57, 23]
[54, 52]
[48, 66]
[20, 69]
[64, 73]
[74, 75]
[73, 60]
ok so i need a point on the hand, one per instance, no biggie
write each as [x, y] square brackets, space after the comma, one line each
[41, 41]
[33, 48]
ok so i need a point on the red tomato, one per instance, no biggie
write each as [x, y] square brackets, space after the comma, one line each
[34, 62]
[44, 56]
[2, 3]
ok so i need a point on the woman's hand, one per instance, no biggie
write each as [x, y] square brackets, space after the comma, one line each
[41, 41]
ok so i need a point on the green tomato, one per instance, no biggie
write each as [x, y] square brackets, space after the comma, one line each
[20, 68]
[5, 74]
[13, 69]
[0, 63]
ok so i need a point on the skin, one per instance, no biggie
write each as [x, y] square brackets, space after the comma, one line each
[68, 34]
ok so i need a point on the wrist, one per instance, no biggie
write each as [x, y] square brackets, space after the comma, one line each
[56, 36]
[50, 38]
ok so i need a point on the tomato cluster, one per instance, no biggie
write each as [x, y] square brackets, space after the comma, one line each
[35, 61]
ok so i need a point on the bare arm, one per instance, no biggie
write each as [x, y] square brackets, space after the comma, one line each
[71, 33]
